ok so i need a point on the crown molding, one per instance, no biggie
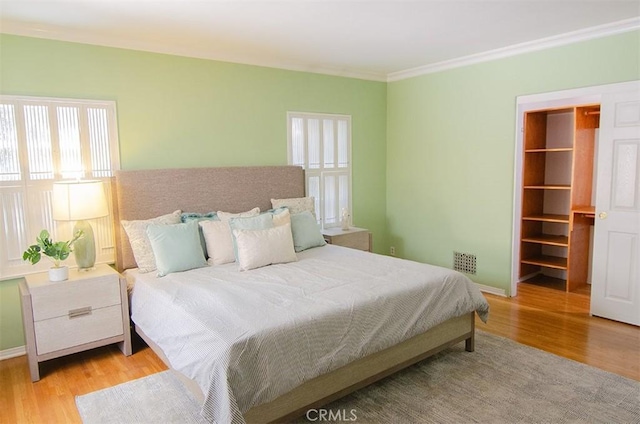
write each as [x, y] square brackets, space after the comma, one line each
[64, 34]
[517, 49]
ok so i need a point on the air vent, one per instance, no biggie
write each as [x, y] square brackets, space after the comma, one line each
[464, 262]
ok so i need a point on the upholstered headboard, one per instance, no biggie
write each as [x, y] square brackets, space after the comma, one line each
[145, 194]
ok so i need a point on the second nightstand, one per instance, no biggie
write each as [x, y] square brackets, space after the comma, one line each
[354, 237]
[88, 310]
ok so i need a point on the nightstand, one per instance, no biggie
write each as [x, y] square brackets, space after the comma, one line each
[88, 310]
[354, 237]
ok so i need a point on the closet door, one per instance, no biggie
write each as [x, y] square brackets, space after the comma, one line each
[615, 292]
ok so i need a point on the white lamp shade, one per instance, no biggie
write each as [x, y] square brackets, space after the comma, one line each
[79, 200]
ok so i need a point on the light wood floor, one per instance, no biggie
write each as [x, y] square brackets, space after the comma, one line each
[546, 319]
[559, 322]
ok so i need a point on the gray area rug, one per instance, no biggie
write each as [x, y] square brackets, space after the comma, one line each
[501, 382]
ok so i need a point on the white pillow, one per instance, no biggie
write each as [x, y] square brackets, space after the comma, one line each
[225, 216]
[281, 217]
[137, 232]
[296, 204]
[217, 237]
[257, 248]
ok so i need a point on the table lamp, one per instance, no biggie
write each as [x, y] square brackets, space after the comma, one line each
[79, 201]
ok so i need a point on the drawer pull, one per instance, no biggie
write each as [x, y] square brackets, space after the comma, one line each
[75, 313]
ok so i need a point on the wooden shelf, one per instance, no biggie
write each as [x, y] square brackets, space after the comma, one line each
[546, 281]
[549, 239]
[588, 210]
[549, 187]
[556, 149]
[547, 261]
[563, 219]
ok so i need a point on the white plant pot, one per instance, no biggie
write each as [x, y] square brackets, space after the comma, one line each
[58, 274]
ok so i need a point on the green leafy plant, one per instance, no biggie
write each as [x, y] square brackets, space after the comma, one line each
[56, 251]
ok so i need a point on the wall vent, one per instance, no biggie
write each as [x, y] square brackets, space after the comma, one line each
[464, 262]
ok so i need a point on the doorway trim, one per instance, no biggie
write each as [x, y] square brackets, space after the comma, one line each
[555, 99]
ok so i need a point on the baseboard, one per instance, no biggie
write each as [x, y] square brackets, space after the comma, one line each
[13, 352]
[491, 290]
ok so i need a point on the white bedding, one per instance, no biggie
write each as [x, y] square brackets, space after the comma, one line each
[249, 337]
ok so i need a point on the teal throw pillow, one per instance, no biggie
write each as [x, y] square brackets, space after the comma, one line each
[306, 231]
[195, 216]
[176, 247]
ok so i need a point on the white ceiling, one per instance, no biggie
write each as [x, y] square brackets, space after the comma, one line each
[368, 39]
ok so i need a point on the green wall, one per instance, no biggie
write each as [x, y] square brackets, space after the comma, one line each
[433, 155]
[184, 112]
[11, 334]
[450, 148]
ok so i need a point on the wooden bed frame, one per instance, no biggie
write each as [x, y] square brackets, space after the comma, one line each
[149, 193]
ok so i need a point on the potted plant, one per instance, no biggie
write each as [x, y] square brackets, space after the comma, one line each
[56, 251]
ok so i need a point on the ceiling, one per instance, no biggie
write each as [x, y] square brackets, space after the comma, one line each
[366, 39]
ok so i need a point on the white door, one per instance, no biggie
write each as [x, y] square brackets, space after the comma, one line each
[615, 290]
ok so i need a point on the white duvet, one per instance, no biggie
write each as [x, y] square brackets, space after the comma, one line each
[249, 337]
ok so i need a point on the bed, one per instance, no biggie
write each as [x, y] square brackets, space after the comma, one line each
[272, 351]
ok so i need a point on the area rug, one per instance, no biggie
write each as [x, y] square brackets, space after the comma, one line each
[501, 382]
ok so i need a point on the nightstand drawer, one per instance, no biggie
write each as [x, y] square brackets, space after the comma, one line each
[57, 299]
[77, 328]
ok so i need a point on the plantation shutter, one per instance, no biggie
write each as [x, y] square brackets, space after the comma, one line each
[321, 144]
[41, 141]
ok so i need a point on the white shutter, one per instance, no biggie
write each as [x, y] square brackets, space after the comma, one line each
[38, 141]
[14, 222]
[9, 156]
[328, 143]
[330, 200]
[343, 144]
[313, 144]
[71, 165]
[43, 140]
[297, 142]
[321, 144]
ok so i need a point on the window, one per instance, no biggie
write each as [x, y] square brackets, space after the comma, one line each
[321, 144]
[43, 140]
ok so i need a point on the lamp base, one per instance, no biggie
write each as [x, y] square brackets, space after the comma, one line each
[84, 248]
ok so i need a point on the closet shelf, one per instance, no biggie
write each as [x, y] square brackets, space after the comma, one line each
[556, 149]
[548, 239]
[584, 209]
[549, 187]
[547, 261]
[564, 219]
[547, 281]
